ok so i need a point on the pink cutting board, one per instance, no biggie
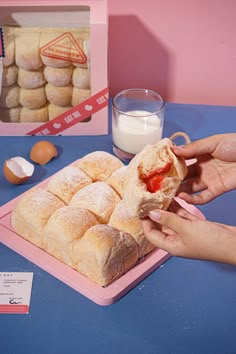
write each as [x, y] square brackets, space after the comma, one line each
[100, 295]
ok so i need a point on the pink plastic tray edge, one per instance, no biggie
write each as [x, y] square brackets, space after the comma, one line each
[96, 293]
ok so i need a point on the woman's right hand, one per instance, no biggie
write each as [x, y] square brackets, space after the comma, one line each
[214, 172]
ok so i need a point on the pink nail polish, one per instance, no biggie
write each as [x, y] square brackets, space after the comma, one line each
[155, 215]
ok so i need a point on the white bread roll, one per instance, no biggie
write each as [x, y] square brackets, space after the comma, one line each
[58, 76]
[31, 79]
[64, 226]
[81, 78]
[122, 220]
[51, 37]
[9, 76]
[33, 98]
[9, 97]
[32, 212]
[99, 165]
[34, 115]
[155, 165]
[54, 111]
[9, 44]
[85, 46]
[65, 183]
[116, 180]
[79, 95]
[10, 115]
[27, 48]
[104, 253]
[99, 198]
[59, 96]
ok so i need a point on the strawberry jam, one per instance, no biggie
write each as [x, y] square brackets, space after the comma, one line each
[154, 179]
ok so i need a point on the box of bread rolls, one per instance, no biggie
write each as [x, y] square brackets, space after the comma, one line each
[53, 67]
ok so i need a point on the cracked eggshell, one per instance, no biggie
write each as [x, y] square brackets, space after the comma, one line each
[42, 152]
[17, 170]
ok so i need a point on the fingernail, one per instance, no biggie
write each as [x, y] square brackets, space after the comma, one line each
[179, 147]
[155, 215]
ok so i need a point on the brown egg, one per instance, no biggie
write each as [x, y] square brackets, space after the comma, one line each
[17, 170]
[42, 152]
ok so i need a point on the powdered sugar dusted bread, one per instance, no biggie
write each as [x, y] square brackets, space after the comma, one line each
[116, 180]
[34, 115]
[9, 44]
[122, 220]
[9, 75]
[79, 218]
[32, 213]
[30, 79]
[65, 183]
[99, 198]
[153, 178]
[66, 225]
[27, 48]
[104, 253]
[99, 165]
[9, 97]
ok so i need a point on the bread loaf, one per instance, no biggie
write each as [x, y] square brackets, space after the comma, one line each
[87, 215]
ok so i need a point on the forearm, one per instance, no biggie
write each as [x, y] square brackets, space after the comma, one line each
[226, 249]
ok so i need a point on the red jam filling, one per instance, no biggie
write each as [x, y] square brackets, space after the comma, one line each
[154, 179]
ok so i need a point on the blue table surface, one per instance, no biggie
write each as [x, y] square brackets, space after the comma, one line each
[185, 306]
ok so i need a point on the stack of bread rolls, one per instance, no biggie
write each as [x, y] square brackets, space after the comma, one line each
[38, 88]
[80, 218]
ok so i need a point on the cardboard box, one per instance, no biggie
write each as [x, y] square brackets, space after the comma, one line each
[53, 70]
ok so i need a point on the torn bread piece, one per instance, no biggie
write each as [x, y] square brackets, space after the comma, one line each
[32, 212]
[104, 253]
[64, 226]
[152, 178]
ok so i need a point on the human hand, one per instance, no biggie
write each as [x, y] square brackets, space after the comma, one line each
[214, 172]
[183, 234]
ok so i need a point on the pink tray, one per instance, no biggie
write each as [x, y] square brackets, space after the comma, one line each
[102, 296]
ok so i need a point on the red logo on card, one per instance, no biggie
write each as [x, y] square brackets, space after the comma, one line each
[64, 47]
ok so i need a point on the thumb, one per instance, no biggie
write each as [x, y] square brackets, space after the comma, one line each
[171, 220]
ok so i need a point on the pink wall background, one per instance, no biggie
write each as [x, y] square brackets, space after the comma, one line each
[185, 49]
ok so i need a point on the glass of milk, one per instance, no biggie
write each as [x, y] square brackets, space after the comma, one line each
[137, 120]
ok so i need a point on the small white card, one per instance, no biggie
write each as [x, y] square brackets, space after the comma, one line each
[15, 292]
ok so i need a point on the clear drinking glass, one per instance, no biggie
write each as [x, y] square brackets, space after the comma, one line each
[137, 120]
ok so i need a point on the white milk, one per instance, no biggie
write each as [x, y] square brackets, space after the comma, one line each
[133, 131]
